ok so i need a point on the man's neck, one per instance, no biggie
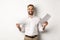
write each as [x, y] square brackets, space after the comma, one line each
[31, 16]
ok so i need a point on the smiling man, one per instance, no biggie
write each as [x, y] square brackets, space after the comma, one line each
[32, 24]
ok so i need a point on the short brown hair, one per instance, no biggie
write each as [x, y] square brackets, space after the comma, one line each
[31, 5]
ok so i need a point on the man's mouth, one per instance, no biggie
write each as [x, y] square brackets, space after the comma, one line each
[30, 13]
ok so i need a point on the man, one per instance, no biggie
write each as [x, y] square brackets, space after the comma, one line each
[32, 24]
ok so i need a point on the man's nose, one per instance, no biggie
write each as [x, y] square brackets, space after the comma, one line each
[30, 10]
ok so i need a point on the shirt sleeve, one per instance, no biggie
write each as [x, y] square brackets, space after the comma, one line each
[40, 28]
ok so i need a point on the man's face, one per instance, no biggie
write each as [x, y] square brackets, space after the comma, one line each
[30, 10]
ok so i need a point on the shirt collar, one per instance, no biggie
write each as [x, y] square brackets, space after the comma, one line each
[29, 16]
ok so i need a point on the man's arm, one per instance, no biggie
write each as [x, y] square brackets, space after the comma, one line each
[18, 26]
[44, 25]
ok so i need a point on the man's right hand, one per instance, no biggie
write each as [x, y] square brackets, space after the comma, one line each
[18, 26]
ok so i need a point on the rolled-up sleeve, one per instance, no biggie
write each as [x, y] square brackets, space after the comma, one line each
[40, 28]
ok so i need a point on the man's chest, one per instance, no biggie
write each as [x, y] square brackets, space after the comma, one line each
[33, 21]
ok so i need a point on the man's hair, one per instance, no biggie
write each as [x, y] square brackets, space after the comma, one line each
[31, 5]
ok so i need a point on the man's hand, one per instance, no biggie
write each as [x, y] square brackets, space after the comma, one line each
[44, 24]
[18, 26]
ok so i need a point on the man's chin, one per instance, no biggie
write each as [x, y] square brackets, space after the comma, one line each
[30, 13]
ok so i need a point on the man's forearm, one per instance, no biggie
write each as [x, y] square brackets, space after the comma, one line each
[44, 25]
[19, 28]
[43, 28]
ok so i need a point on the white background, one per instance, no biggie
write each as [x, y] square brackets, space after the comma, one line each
[11, 10]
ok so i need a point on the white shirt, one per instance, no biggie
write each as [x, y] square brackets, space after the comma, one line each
[31, 25]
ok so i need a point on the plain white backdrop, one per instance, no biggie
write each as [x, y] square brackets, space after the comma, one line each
[11, 10]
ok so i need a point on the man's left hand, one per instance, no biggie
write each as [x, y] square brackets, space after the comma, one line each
[44, 24]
